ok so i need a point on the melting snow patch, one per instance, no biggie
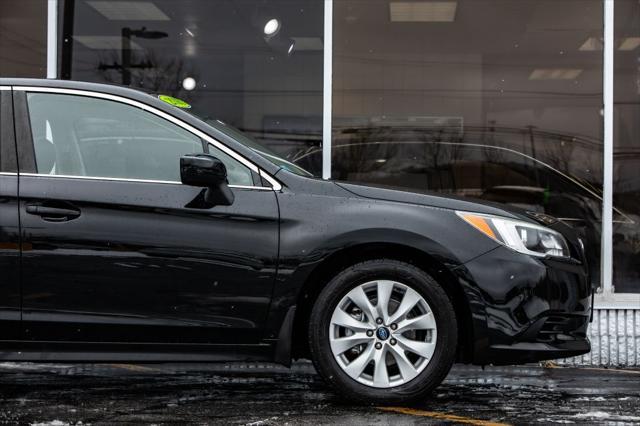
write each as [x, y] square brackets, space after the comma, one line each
[603, 415]
[262, 422]
[593, 415]
[29, 366]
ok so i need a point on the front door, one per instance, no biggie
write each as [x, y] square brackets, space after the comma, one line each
[118, 249]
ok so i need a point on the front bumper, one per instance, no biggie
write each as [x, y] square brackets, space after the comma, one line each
[526, 309]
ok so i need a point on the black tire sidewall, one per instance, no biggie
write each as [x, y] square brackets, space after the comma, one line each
[418, 280]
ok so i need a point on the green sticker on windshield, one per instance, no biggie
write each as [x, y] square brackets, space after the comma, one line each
[174, 101]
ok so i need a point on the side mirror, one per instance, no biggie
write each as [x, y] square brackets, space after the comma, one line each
[207, 171]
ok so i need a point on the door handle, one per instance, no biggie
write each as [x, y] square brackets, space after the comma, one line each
[53, 214]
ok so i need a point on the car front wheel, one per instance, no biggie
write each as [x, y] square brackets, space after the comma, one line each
[383, 331]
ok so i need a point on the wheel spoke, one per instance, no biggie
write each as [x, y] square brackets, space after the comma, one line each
[357, 366]
[424, 349]
[422, 322]
[407, 370]
[380, 373]
[385, 288]
[343, 319]
[409, 301]
[360, 298]
[341, 344]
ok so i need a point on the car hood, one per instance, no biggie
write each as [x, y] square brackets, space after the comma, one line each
[426, 198]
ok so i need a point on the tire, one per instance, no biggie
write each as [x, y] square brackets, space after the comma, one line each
[373, 278]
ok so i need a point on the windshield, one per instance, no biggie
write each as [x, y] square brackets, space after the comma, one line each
[251, 143]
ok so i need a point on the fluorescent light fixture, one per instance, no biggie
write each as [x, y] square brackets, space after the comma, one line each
[555, 74]
[105, 42]
[630, 43]
[308, 43]
[591, 44]
[129, 10]
[422, 11]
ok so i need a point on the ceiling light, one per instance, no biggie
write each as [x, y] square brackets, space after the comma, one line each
[189, 83]
[555, 74]
[630, 43]
[105, 42]
[432, 11]
[308, 43]
[271, 27]
[591, 44]
[129, 10]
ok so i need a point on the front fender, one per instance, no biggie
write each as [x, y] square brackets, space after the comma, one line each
[315, 227]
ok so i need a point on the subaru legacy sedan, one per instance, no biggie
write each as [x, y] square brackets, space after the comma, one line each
[133, 231]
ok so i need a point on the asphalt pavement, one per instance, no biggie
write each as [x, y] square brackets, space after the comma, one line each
[266, 394]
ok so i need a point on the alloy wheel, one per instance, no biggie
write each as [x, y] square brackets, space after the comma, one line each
[383, 333]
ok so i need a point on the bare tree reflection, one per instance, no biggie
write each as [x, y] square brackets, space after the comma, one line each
[156, 74]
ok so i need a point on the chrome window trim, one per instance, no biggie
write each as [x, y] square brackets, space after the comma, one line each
[8, 174]
[276, 186]
[112, 179]
[255, 188]
[5, 87]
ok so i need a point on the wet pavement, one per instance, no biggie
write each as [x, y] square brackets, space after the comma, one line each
[264, 394]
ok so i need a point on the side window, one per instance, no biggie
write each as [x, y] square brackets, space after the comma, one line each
[237, 173]
[92, 137]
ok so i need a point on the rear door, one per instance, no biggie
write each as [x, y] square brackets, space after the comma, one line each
[118, 250]
[9, 225]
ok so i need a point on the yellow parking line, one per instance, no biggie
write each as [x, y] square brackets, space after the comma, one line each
[615, 370]
[440, 416]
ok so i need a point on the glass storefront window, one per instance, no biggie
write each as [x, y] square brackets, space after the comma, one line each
[493, 99]
[23, 38]
[254, 64]
[626, 148]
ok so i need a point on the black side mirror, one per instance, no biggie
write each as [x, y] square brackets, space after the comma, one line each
[207, 171]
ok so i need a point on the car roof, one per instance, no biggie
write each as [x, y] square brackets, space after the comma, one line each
[151, 100]
[115, 89]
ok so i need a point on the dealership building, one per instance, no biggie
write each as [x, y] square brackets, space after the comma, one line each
[535, 103]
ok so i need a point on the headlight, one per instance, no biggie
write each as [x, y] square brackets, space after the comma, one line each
[523, 237]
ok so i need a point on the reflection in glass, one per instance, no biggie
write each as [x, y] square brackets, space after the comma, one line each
[23, 38]
[494, 99]
[626, 148]
[254, 64]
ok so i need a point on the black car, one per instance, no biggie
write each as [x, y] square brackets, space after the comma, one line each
[131, 230]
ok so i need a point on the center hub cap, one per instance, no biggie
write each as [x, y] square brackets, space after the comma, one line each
[382, 333]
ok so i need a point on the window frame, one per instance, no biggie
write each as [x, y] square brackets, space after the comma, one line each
[275, 185]
[8, 155]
